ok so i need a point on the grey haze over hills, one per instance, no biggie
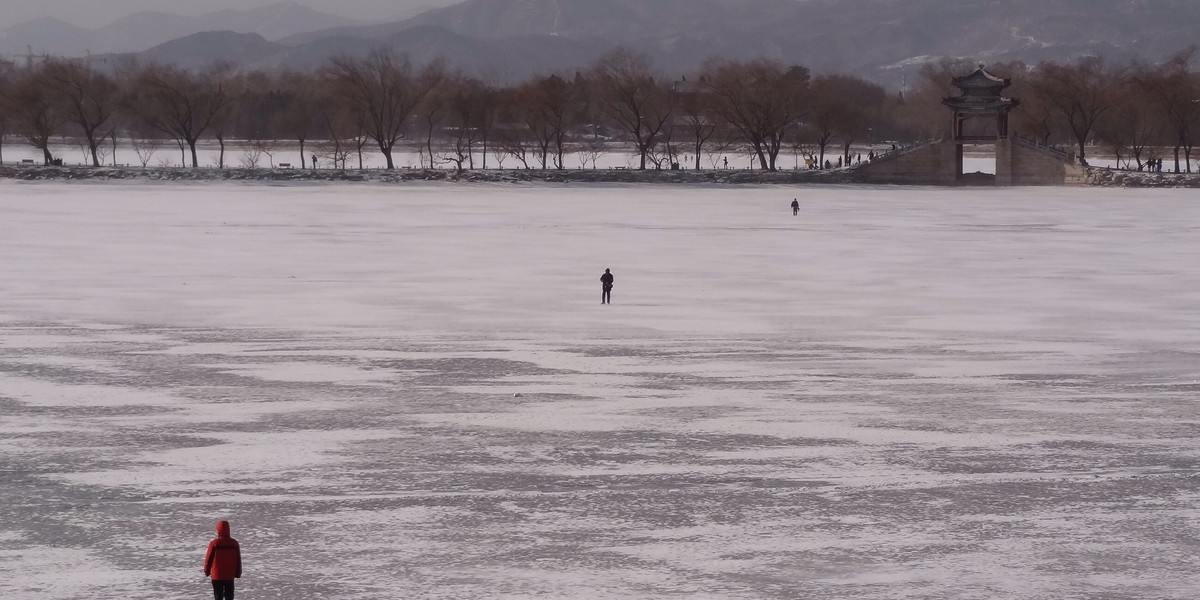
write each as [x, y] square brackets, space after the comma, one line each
[143, 30]
[884, 40]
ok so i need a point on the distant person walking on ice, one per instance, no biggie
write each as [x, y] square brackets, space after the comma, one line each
[223, 562]
[795, 207]
[606, 281]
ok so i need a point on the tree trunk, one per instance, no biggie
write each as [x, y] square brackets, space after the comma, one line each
[429, 144]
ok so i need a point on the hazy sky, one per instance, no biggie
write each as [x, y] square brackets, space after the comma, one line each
[97, 13]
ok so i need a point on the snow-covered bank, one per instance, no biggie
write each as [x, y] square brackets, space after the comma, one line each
[1142, 179]
[1096, 177]
[29, 172]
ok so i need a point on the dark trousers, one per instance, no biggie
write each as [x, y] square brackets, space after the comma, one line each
[223, 589]
[606, 295]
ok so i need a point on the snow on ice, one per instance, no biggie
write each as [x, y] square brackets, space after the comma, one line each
[414, 391]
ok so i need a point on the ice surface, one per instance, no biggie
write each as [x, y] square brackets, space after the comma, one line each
[900, 393]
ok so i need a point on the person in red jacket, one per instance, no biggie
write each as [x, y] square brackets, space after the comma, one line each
[223, 562]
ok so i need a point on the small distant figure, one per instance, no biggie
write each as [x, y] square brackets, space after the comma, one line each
[223, 562]
[726, 159]
[795, 207]
[606, 283]
[314, 159]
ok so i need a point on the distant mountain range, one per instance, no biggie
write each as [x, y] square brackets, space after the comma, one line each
[511, 39]
[144, 30]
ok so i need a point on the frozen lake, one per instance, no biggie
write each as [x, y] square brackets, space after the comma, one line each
[414, 391]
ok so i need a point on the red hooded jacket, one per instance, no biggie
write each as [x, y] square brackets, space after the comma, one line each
[223, 560]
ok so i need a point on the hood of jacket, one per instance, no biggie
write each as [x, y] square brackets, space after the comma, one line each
[222, 528]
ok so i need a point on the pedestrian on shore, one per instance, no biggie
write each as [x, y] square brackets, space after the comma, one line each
[223, 562]
[795, 207]
[606, 283]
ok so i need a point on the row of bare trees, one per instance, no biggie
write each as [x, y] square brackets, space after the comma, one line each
[760, 107]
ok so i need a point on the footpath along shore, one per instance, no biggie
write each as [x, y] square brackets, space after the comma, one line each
[1096, 176]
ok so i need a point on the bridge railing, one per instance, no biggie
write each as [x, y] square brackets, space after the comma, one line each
[1037, 145]
[906, 148]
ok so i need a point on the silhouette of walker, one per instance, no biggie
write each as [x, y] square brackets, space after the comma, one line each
[606, 283]
[795, 207]
[223, 562]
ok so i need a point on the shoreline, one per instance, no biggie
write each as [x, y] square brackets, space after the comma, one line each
[1096, 177]
[403, 175]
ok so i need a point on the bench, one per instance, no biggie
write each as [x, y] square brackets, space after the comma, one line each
[285, 165]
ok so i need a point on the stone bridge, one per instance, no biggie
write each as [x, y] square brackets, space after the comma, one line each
[980, 121]
[1019, 161]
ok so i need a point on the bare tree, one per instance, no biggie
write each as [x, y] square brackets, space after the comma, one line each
[760, 100]
[342, 123]
[466, 100]
[628, 94]
[590, 151]
[297, 115]
[548, 107]
[513, 141]
[251, 156]
[1076, 95]
[1132, 129]
[433, 111]
[180, 104]
[846, 107]
[8, 74]
[697, 118]
[145, 146]
[512, 136]
[828, 105]
[34, 110]
[387, 89]
[89, 99]
[1175, 91]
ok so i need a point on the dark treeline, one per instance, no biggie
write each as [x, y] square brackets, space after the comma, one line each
[1136, 112]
